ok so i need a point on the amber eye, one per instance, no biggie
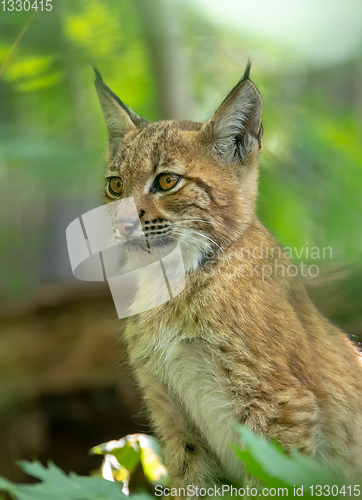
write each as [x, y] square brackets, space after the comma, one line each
[115, 186]
[167, 181]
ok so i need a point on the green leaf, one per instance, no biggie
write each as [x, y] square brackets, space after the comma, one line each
[268, 463]
[134, 449]
[125, 450]
[51, 473]
[151, 459]
[56, 485]
[256, 470]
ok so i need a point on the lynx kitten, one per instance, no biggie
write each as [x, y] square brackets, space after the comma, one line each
[234, 346]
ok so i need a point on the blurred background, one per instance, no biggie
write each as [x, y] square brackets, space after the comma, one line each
[65, 384]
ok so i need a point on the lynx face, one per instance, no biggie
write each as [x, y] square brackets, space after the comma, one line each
[192, 183]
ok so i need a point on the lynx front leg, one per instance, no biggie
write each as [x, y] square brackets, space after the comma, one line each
[289, 413]
[188, 461]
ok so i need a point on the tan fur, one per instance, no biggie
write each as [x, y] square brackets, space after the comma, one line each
[232, 347]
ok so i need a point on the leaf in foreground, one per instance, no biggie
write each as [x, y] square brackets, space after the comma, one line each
[129, 452]
[269, 463]
[56, 485]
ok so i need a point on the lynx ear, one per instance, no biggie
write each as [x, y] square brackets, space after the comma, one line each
[120, 119]
[235, 130]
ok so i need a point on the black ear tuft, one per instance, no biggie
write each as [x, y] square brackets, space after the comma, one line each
[100, 82]
[120, 119]
[246, 75]
[97, 74]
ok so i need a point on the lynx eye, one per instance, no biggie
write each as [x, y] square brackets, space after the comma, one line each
[115, 186]
[167, 181]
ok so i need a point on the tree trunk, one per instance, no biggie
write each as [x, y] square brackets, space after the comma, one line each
[162, 29]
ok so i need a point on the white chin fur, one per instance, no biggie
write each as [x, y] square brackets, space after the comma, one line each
[193, 251]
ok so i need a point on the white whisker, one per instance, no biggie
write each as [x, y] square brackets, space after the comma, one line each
[212, 241]
[187, 235]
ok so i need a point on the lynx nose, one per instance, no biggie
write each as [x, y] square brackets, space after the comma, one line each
[125, 228]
